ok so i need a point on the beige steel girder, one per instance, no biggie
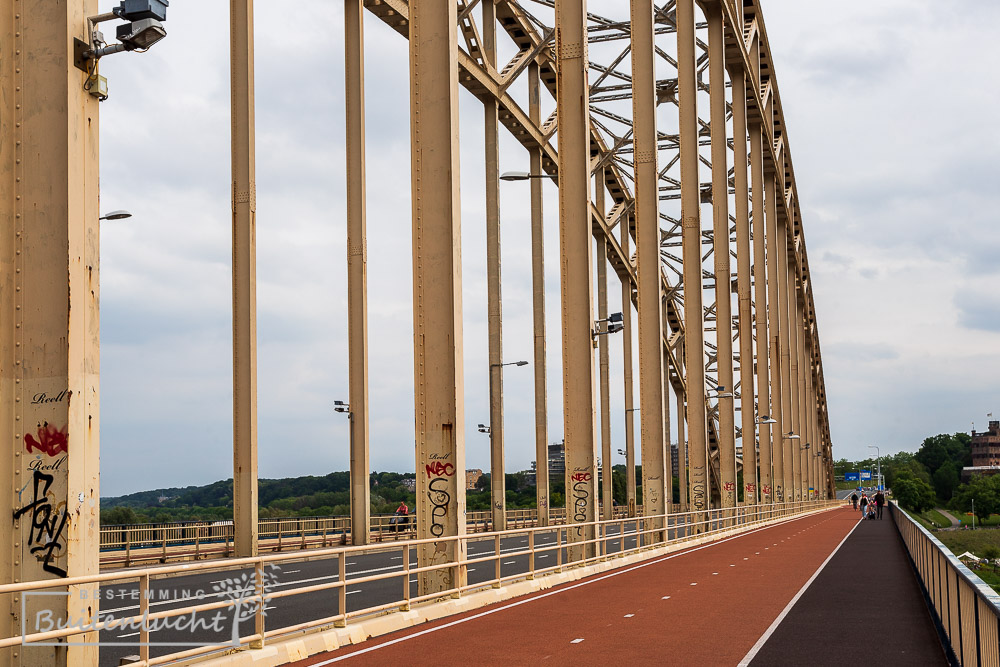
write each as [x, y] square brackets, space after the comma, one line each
[723, 285]
[538, 307]
[694, 342]
[575, 274]
[498, 495]
[655, 448]
[49, 322]
[783, 341]
[357, 269]
[437, 291]
[244, 281]
[774, 333]
[743, 259]
[604, 363]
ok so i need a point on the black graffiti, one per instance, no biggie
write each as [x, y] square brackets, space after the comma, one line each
[440, 500]
[46, 529]
[580, 496]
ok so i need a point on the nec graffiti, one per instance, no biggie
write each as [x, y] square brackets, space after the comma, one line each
[438, 494]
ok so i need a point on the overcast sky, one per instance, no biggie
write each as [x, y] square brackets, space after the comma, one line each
[891, 116]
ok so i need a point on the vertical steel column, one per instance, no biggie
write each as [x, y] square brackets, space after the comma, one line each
[498, 496]
[802, 402]
[748, 420]
[668, 463]
[761, 310]
[604, 360]
[628, 379]
[787, 422]
[437, 290]
[538, 307]
[49, 321]
[647, 215]
[357, 268]
[573, 117]
[682, 455]
[795, 335]
[723, 279]
[694, 344]
[775, 284]
[244, 280]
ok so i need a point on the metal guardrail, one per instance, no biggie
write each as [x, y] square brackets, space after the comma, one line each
[649, 531]
[128, 545]
[966, 607]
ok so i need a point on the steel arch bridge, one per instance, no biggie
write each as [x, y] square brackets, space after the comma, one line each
[661, 126]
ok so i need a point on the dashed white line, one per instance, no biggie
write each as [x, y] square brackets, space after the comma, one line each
[131, 634]
[509, 562]
[665, 597]
[576, 641]
[694, 583]
[629, 615]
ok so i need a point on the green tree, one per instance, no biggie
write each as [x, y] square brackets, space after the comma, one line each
[913, 493]
[985, 491]
[946, 480]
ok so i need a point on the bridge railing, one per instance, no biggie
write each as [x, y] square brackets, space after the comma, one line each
[967, 608]
[550, 544]
[129, 545]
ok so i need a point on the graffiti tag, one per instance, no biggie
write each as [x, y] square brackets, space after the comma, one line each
[438, 469]
[581, 477]
[50, 440]
[440, 500]
[580, 496]
[47, 524]
[729, 486]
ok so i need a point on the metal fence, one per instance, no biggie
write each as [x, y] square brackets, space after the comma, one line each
[128, 545]
[967, 608]
[610, 541]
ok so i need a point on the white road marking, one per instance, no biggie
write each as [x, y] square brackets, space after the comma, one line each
[665, 597]
[131, 634]
[357, 590]
[694, 583]
[509, 562]
[629, 615]
[715, 573]
[576, 641]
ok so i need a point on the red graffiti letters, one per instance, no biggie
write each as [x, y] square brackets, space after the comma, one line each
[581, 477]
[729, 486]
[50, 441]
[439, 469]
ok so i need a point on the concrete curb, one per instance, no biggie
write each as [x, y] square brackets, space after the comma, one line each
[301, 646]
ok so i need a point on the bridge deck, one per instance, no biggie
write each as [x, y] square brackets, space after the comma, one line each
[706, 605]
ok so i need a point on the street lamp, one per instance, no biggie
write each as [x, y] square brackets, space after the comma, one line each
[720, 392]
[790, 436]
[765, 419]
[523, 176]
[878, 454]
[497, 492]
[116, 215]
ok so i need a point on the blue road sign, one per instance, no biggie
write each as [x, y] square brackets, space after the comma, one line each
[866, 474]
[851, 477]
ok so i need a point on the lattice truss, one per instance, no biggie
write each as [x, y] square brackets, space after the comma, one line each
[526, 35]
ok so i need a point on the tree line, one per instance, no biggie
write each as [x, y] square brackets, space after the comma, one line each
[932, 477]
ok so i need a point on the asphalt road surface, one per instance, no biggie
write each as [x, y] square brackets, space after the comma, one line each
[216, 626]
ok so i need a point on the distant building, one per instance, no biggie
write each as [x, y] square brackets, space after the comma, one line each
[557, 464]
[985, 452]
[410, 484]
[472, 478]
[675, 459]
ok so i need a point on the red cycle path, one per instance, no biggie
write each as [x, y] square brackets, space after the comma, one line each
[704, 606]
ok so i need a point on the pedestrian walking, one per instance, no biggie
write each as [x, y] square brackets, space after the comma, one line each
[879, 501]
[863, 504]
[854, 500]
